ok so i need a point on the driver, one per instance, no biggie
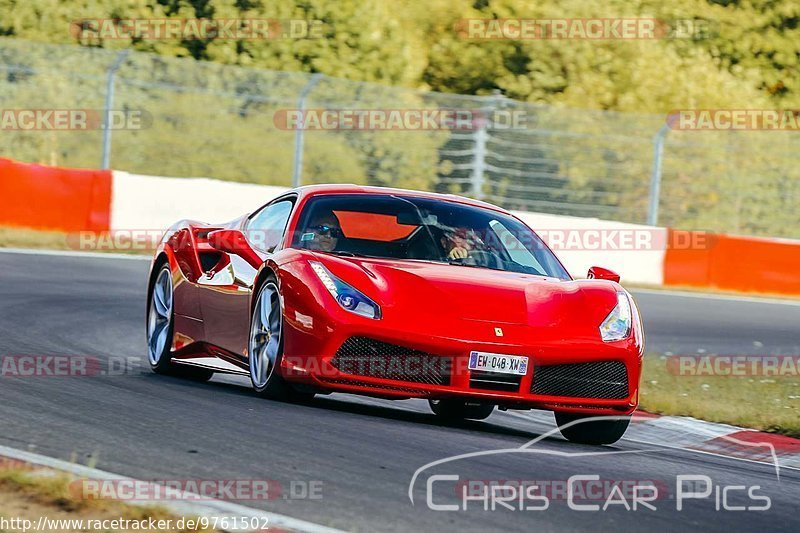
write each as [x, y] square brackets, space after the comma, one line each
[457, 243]
[323, 232]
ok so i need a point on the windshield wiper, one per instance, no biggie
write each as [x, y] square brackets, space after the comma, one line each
[459, 263]
[472, 265]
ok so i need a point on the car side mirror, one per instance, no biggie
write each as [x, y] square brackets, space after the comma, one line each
[603, 273]
[233, 241]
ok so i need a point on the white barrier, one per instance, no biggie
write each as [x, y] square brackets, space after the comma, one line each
[581, 243]
[154, 203]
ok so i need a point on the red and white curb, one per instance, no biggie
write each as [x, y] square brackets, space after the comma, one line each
[718, 439]
[691, 434]
[181, 504]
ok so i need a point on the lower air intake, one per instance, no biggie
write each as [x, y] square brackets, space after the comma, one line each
[362, 356]
[601, 380]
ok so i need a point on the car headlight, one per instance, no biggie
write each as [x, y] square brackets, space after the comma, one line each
[618, 323]
[350, 298]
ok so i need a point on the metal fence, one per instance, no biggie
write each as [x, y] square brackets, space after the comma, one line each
[208, 119]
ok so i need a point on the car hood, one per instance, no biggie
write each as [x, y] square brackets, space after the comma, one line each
[440, 291]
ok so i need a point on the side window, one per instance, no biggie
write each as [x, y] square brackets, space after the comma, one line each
[266, 228]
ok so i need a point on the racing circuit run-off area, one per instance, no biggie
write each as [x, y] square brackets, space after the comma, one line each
[331, 267]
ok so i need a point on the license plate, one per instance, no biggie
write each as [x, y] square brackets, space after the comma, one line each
[500, 363]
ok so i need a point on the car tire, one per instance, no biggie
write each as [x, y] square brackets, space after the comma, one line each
[265, 347]
[592, 432]
[160, 326]
[455, 409]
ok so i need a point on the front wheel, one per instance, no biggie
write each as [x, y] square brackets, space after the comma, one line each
[265, 347]
[455, 409]
[601, 430]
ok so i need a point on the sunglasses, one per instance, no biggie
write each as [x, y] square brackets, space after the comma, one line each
[324, 229]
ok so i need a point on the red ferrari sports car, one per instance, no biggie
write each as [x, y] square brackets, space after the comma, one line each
[397, 294]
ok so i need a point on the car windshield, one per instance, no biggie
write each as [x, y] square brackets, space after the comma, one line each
[414, 228]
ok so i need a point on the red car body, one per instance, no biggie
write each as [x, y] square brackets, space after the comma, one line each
[429, 310]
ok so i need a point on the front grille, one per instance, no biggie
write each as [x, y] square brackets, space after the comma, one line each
[601, 380]
[494, 381]
[362, 356]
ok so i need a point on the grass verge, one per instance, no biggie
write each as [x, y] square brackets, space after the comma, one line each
[765, 403]
[28, 238]
[27, 494]
[11, 237]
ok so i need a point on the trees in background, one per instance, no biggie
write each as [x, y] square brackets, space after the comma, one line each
[749, 54]
[214, 116]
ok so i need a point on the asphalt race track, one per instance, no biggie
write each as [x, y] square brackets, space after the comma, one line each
[361, 452]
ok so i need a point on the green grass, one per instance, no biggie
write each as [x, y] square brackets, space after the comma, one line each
[11, 237]
[28, 238]
[765, 403]
[47, 492]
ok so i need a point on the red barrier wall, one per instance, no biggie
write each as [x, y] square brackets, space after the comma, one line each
[52, 198]
[748, 264]
[70, 200]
